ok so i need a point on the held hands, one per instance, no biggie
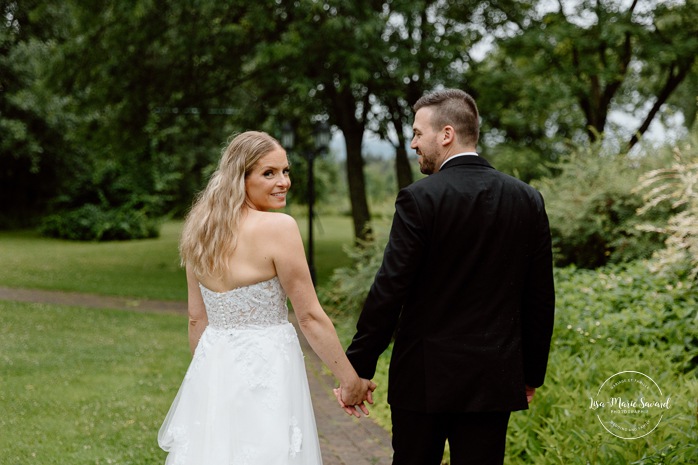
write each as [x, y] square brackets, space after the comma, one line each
[351, 397]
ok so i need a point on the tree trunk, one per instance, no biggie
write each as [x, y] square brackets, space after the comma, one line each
[357, 184]
[343, 108]
[403, 170]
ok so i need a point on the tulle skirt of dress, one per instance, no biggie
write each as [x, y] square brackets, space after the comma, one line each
[244, 401]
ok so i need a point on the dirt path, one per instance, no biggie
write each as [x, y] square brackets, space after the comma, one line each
[344, 440]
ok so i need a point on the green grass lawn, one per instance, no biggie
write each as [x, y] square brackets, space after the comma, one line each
[332, 235]
[143, 268]
[147, 268]
[85, 386]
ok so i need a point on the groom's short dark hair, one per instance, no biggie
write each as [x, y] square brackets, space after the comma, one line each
[453, 107]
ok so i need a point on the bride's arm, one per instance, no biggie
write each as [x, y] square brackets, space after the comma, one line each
[294, 275]
[198, 320]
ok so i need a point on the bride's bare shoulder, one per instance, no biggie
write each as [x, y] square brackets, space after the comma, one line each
[272, 223]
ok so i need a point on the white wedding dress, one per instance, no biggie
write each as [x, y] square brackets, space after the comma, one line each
[245, 398]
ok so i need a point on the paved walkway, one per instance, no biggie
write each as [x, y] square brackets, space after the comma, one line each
[344, 440]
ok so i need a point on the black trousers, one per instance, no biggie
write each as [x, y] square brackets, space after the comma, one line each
[474, 438]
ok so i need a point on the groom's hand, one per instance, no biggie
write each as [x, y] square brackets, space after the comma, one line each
[350, 409]
[349, 406]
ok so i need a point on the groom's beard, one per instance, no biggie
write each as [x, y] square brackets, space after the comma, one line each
[427, 163]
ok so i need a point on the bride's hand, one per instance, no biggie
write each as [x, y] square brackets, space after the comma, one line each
[350, 409]
[351, 397]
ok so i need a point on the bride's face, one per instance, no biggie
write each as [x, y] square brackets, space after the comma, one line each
[268, 182]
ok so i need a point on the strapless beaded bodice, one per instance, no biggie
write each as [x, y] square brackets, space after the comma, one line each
[258, 305]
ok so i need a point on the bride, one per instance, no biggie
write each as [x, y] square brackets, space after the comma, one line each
[245, 397]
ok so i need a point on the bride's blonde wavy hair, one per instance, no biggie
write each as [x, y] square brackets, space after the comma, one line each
[210, 230]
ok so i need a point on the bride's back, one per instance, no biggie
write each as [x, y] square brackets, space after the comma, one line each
[252, 260]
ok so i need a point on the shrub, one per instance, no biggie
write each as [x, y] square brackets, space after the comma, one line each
[94, 223]
[677, 187]
[348, 286]
[525, 164]
[560, 429]
[592, 209]
[627, 306]
[616, 318]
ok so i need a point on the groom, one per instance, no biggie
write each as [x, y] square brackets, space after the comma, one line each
[466, 287]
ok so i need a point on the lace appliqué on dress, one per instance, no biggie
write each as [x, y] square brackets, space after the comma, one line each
[260, 376]
[296, 438]
[247, 455]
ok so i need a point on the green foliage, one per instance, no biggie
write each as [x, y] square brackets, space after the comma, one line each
[628, 306]
[675, 186]
[161, 85]
[611, 320]
[117, 197]
[93, 223]
[592, 208]
[601, 56]
[348, 286]
[35, 122]
[520, 162]
[559, 427]
[522, 123]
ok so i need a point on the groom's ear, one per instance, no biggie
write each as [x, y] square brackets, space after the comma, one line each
[447, 136]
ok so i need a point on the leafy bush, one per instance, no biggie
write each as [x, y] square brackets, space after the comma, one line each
[628, 306]
[675, 186]
[592, 208]
[94, 223]
[560, 429]
[525, 164]
[610, 320]
[348, 286]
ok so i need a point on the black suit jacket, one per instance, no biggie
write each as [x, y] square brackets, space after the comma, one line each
[467, 282]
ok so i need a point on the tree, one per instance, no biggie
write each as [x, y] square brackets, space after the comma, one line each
[425, 48]
[331, 56]
[673, 46]
[164, 81]
[600, 55]
[34, 154]
[363, 64]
